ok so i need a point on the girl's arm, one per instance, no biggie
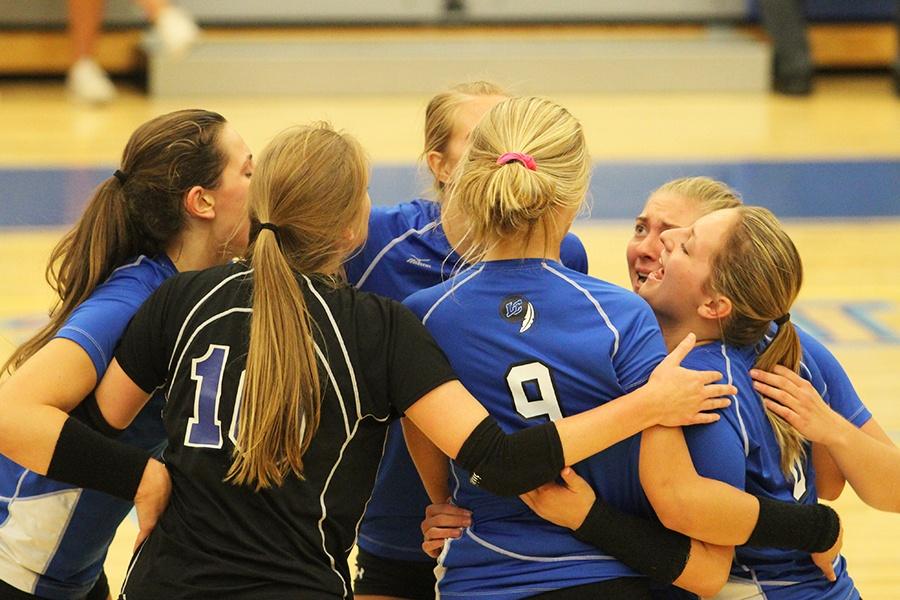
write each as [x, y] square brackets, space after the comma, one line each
[866, 456]
[36, 399]
[37, 432]
[666, 557]
[716, 512]
[702, 508]
[119, 398]
[516, 463]
[431, 463]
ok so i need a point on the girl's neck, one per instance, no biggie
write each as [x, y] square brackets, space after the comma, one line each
[454, 226]
[193, 253]
[513, 248]
[675, 330]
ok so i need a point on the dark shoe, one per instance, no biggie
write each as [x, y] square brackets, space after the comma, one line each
[794, 85]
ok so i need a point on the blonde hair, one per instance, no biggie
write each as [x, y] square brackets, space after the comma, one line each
[163, 159]
[710, 194]
[441, 116]
[760, 271]
[310, 182]
[510, 200]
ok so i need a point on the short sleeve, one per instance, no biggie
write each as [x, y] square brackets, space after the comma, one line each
[98, 322]
[841, 394]
[411, 363]
[641, 347]
[142, 353]
[717, 451]
[572, 254]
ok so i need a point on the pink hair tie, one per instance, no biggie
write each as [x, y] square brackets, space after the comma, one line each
[525, 159]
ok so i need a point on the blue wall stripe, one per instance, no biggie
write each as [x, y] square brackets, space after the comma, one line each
[810, 189]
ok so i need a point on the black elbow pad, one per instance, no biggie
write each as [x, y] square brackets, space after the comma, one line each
[511, 464]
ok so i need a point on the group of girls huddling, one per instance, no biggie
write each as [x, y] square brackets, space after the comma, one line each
[239, 319]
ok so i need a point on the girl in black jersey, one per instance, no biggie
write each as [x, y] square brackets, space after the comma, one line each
[280, 383]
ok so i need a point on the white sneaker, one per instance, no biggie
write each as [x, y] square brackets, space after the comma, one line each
[176, 29]
[87, 82]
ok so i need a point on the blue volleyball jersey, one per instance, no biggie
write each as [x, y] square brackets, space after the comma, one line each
[407, 251]
[53, 536]
[533, 340]
[841, 393]
[740, 449]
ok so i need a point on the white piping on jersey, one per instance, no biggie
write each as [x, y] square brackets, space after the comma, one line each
[593, 301]
[363, 514]
[756, 594]
[351, 434]
[197, 306]
[456, 480]
[752, 572]
[546, 559]
[388, 247]
[453, 288]
[39, 496]
[440, 571]
[137, 261]
[325, 490]
[337, 389]
[194, 334]
[18, 488]
[809, 375]
[769, 338]
[93, 341]
[131, 568]
[340, 339]
[737, 402]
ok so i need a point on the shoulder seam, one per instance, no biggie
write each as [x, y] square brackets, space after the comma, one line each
[387, 248]
[593, 301]
[453, 288]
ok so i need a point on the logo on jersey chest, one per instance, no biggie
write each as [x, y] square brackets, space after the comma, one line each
[518, 310]
[425, 263]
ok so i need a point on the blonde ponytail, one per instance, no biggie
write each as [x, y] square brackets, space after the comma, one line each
[310, 186]
[511, 200]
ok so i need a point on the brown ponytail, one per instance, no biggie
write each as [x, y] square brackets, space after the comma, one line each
[138, 214]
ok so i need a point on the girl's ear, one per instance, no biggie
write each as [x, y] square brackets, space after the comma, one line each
[437, 165]
[715, 307]
[199, 203]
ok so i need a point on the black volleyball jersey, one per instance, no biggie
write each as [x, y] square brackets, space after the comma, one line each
[219, 540]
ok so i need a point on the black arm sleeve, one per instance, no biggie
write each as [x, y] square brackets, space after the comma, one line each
[88, 412]
[87, 459]
[511, 464]
[643, 545]
[805, 527]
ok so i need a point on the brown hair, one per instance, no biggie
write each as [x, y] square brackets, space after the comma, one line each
[707, 192]
[441, 115]
[310, 182]
[163, 159]
[511, 200]
[760, 271]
